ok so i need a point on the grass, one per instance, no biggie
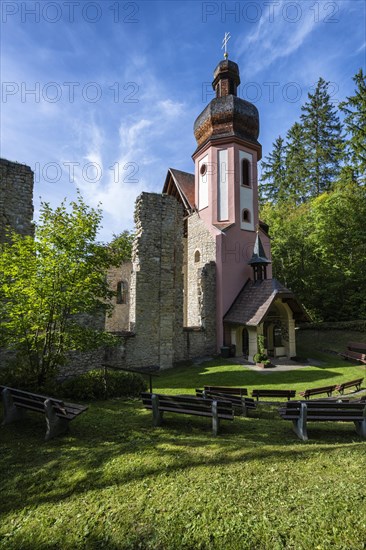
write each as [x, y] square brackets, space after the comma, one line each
[117, 483]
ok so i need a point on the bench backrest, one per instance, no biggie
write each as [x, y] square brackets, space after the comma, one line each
[357, 382]
[234, 399]
[227, 390]
[357, 346]
[273, 393]
[36, 402]
[326, 410]
[189, 405]
[323, 389]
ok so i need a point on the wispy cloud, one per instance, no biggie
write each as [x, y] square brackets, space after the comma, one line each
[275, 36]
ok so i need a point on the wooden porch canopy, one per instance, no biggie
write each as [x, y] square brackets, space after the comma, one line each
[255, 299]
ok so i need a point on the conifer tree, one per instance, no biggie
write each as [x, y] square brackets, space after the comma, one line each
[296, 173]
[323, 139]
[273, 173]
[355, 121]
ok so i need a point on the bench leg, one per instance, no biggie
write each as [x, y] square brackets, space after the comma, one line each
[55, 425]
[157, 415]
[244, 409]
[11, 412]
[299, 425]
[215, 419]
[361, 425]
[361, 428]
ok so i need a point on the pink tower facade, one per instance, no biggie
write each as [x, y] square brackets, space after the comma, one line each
[226, 186]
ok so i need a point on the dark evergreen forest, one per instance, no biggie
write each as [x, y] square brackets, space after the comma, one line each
[313, 196]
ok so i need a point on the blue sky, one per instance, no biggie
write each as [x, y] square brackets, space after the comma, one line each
[102, 96]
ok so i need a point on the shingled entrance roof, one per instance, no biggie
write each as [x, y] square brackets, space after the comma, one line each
[254, 300]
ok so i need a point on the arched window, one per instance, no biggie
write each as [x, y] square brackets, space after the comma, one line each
[197, 256]
[121, 292]
[245, 172]
[245, 215]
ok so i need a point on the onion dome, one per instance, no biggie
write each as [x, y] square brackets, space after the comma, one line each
[227, 115]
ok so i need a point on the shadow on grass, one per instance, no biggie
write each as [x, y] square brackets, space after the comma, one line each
[36, 473]
[236, 375]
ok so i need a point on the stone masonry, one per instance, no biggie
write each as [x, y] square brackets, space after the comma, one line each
[16, 198]
[118, 320]
[201, 250]
[156, 304]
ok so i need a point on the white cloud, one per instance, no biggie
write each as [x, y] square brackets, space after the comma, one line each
[276, 37]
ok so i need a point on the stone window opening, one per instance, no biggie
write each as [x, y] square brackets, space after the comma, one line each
[197, 256]
[121, 292]
[245, 173]
[246, 215]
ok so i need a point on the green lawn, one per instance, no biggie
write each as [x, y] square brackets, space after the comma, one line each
[117, 483]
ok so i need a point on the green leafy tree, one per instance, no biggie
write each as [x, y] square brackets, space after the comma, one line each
[121, 247]
[319, 250]
[323, 139]
[354, 109]
[273, 173]
[50, 285]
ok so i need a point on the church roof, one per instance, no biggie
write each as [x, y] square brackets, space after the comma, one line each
[254, 300]
[180, 185]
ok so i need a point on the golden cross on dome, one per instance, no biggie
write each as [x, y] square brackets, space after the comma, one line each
[224, 43]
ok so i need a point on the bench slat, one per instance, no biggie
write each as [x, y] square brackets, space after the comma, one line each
[197, 406]
[316, 391]
[356, 346]
[227, 390]
[273, 393]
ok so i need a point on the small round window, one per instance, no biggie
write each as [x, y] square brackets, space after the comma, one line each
[203, 169]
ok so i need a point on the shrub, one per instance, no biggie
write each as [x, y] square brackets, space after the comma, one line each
[15, 376]
[95, 385]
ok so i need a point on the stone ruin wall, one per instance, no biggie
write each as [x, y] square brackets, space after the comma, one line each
[157, 335]
[200, 241]
[119, 319]
[16, 198]
[156, 305]
[157, 283]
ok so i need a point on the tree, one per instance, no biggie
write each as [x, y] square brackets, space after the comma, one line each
[319, 250]
[354, 109]
[273, 173]
[323, 139]
[296, 173]
[47, 285]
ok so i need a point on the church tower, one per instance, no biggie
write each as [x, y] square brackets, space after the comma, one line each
[230, 297]
[226, 185]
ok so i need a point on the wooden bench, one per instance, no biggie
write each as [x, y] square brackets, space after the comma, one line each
[317, 391]
[288, 394]
[352, 383]
[216, 409]
[354, 356]
[300, 412]
[357, 346]
[227, 390]
[244, 404]
[58, 413]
